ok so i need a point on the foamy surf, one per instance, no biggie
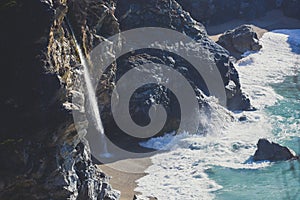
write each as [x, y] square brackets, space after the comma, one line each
[182, 172]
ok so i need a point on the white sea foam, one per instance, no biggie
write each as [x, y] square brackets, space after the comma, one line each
[270, 65]
[181, 172]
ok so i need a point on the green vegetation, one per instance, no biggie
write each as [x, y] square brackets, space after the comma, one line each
[4, 4]
[10, 141]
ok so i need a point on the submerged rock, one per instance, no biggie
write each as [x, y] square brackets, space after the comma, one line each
[271, 151]
[240, 40]
[243, 118]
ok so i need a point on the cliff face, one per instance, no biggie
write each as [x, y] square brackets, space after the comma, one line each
[133, 14]
[291, 8]
[169, 14]
[219, 11]
[43, 155]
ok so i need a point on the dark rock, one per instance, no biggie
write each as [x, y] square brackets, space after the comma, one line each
[211, 12]
[195, 146]
[220, 11]
[169, 14]
[243, 118]
[203, 11]
[42, 155]
[272, 152]
[240, 40]
[291, 8]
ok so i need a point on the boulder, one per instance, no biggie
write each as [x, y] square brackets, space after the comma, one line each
[239, 40]
[271, 151]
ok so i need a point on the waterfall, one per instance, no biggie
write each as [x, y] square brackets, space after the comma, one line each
[91, 96]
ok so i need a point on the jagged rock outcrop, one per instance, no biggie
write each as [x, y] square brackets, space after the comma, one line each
[240, 40]
[219, 11]
[168, 14]
[43, 156]
[272, 152]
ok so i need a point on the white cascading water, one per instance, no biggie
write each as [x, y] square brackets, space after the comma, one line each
[92, 100]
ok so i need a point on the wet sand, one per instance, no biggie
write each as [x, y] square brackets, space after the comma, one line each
[122, 178]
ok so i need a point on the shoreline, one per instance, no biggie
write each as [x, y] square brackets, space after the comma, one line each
[123, 180]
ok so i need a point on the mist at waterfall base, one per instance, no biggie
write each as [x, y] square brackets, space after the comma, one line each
[215, 166]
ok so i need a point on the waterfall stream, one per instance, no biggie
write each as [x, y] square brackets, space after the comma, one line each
[93, 108]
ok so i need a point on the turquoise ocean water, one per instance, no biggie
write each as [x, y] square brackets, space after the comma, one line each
[279, 180]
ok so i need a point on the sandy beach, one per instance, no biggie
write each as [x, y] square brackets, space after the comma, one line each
[125, 181]
[122, 179]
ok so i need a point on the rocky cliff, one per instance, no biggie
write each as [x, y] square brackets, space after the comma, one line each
[43, 155]
[219, 11]
[167, 14]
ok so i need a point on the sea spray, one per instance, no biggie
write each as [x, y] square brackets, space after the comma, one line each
[92, 99]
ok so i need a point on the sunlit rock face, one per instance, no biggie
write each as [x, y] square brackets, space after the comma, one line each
[240, 40]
